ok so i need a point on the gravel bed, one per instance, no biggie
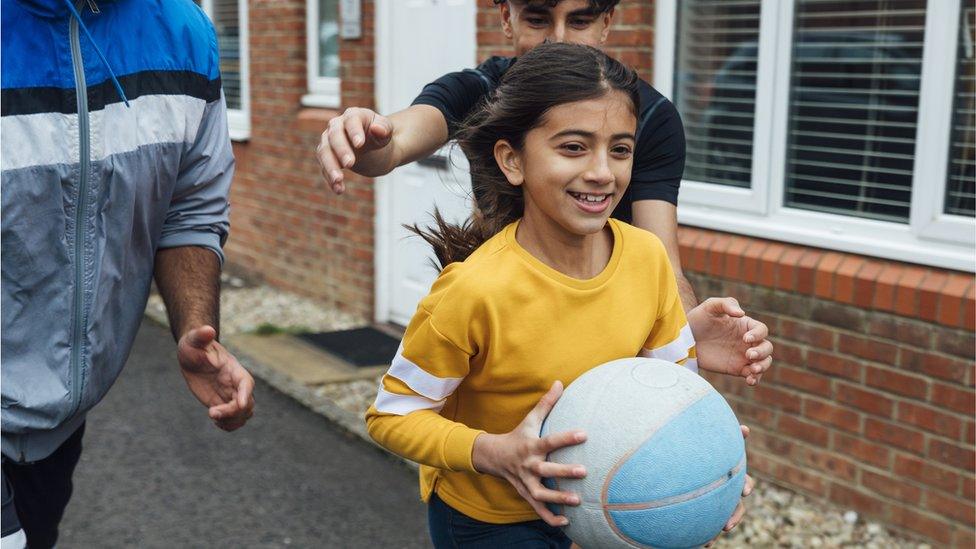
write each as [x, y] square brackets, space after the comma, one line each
[776, 517]
[246, 308]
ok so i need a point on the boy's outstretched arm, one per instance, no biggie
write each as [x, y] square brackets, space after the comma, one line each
[372, 145]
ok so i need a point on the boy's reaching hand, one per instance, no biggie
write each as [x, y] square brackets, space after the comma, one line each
[352, 133]
[519, 457]
[729, 342]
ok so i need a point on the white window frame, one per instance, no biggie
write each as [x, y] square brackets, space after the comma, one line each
[931, 237]
[323, 91]
[239, 120]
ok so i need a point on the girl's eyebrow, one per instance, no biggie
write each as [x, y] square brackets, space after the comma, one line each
[589, 135]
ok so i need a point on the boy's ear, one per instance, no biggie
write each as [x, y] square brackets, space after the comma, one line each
[607, 18]
[509, 162]
[505, 11]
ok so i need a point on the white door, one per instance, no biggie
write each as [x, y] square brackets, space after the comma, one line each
[417, 41]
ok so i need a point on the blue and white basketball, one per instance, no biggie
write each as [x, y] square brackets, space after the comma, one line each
[664, 456]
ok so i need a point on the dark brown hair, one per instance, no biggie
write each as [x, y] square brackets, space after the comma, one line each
[598, 6]
[547, 76]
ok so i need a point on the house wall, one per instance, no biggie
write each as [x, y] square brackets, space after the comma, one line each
[870, 402]
[288, 228]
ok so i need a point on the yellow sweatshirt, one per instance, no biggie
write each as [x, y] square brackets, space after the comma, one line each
[493, 335]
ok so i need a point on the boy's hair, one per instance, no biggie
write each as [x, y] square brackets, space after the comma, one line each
[599, 6]
[547, 76]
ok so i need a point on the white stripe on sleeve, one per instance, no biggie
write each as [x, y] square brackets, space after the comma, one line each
[675, 350]
[401, 405]
[692, 364]
[420, 381]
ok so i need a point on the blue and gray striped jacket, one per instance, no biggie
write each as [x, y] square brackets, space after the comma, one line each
[97, 174]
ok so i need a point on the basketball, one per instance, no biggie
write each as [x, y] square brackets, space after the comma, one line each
[664, 456]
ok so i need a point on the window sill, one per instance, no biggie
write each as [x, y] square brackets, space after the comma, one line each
[321, 101]
[315, 119]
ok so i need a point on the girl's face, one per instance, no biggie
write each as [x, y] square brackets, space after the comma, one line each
[575, 167]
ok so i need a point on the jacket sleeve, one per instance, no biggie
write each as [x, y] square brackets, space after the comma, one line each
[428, 368]
[198, 212]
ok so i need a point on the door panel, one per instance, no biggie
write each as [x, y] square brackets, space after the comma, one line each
[419, 48]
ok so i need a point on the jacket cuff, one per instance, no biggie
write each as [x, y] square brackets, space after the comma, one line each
[200, 239]
[458, 448]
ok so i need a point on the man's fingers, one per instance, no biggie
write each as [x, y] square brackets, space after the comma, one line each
[761, 351]
[355, 128]
[731, 307]
[339, 143]
[758, 331]
[380, 129]
[245, 389]
[331, 170]
[199, 338]
[226, 410]
[548, 469]
[756, 369]
[745, 430]
[555, 441]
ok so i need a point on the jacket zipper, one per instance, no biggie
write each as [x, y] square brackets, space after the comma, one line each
[81, 217]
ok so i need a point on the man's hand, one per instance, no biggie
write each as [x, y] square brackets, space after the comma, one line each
[729, 342]
[355, 132]
[740, 509]
[216, 378]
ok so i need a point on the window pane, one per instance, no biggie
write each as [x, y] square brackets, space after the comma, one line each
[854, 106]
[329, 38]
[715, 87]
[961, 180]
[226, 21]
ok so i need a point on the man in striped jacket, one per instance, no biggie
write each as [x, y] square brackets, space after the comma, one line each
[116, 166]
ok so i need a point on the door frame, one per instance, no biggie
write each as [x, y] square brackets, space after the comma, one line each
[383, 196]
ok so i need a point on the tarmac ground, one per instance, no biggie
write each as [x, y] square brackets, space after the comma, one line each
[155, 472]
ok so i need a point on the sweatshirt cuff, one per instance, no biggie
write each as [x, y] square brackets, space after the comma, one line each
[458, 448]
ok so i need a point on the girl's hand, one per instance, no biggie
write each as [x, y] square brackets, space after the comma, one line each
[519, 457]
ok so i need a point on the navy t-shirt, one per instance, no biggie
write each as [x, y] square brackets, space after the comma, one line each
[659, 156]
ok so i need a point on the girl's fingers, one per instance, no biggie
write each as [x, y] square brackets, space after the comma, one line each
[555, 441]
[547, 495]
[740, 511]
[548, 469]
[542, 408]
[544, 513]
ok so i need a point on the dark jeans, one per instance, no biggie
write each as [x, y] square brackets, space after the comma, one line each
[451, 529]
[41, 491]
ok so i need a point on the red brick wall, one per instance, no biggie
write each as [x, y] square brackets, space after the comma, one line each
[870, 403]
[287, 227]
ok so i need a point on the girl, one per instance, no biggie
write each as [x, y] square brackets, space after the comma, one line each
[536, 289]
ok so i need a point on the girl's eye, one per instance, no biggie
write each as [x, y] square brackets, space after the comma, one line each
[621, 150]
[572, 147]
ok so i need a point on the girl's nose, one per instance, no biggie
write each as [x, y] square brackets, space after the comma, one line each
[600, 173]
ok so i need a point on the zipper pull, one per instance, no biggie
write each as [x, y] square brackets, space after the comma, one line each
[93, 6]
